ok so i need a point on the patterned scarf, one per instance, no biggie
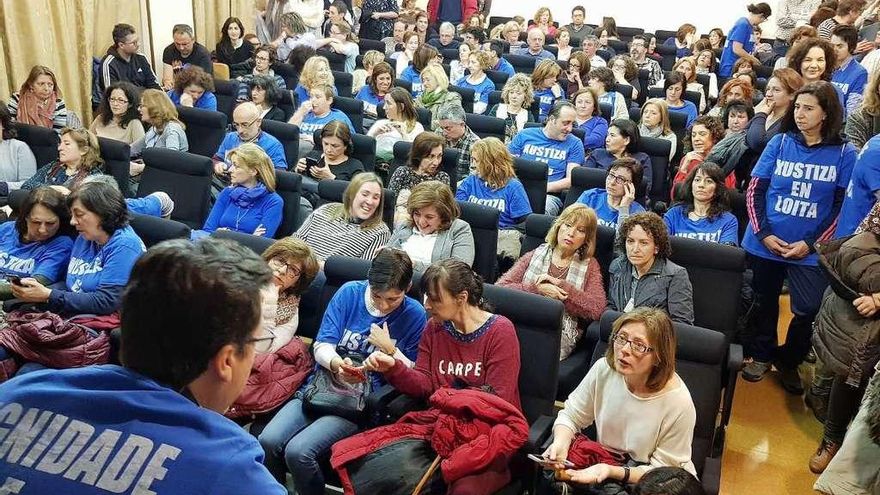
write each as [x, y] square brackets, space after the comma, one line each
[871, 222]
[288, 305]
[30, 112]
[577, 273]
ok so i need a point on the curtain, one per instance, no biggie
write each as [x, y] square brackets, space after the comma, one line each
[209, 16]
[63, 35]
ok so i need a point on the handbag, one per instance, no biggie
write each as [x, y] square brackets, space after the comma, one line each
[328, 395]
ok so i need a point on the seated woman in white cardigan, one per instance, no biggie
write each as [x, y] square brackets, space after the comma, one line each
[640, 406]
[433, 231]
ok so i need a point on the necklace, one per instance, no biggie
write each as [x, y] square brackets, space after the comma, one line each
[242, 212]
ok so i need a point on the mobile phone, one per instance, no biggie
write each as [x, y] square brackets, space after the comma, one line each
[548, 464]
[14, 280]
[357, 371]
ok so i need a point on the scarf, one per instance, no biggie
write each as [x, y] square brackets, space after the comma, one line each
[519, 120]
[577, 273]
[245, 197]
[431, 98]
[30, 112]
[646, 131]
[871, 223]
[287, 308]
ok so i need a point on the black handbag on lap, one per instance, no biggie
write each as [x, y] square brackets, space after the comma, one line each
[329, 395]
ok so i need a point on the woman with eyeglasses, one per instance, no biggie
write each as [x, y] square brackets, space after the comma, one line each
[618, 200]
[638, 404]
[294, 267]
[644, 276]
[578, 73]
[622, 141]
[118, 114]
[264, 59]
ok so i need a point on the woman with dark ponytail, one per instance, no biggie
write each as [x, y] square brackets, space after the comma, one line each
[462, 344]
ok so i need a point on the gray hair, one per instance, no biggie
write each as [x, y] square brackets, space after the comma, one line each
[183, 29]
[101, 179]
[447, 25]
[451, 111]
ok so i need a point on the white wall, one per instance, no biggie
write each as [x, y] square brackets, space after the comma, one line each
[651, 15]
[163, 15]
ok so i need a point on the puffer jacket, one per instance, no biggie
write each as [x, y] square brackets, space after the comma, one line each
[469, 429]
[665, 286]
[48, 339]
[846, 342]
[274, 379]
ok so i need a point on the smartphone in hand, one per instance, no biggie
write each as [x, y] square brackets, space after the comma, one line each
[548, 464]
[357, 371]
[15, 280]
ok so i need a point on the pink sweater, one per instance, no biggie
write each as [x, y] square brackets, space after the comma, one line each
[587, 302]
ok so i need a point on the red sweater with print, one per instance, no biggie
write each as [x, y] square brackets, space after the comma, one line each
[490, 358]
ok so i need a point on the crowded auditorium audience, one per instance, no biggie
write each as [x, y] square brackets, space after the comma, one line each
[424, 210]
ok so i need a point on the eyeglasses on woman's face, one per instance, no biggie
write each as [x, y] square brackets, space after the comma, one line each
[639, 348]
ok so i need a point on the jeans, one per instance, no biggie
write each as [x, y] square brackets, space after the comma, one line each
[553, 205]
[806, 285]
[299, 442]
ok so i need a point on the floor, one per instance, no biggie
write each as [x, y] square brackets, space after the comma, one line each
[770, 438]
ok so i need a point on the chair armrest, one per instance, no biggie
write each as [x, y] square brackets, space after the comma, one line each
[734, 365]
[378, 400]
[711, 475]
[539, 433]
[735, 359]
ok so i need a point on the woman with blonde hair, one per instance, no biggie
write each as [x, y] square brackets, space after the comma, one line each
[478, 63]
[860, 125]
[316, 72]
[436, 92]
[564, 268]
[494, 184]
[544, 21]
[342, 41]
[351, 228]
[433, 230]
[654, 123]
[166, 130]
[546, 86]
[250, 204]
[39, 102]
[516, 100]
[79, 156]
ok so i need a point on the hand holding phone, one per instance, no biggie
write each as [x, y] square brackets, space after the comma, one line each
[15, 280]
[354, 371]
[550, 464]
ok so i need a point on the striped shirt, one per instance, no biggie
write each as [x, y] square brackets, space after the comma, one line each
[59, 120]
[328, 236]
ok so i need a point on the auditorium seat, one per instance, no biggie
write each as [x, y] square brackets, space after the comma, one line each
[484, 227]
[186, 178]
[205, 129]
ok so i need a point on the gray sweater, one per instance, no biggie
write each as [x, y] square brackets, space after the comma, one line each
[665, 286]
[455, 242]
[172, 137]
[17, 163]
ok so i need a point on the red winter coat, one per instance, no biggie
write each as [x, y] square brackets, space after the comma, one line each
[468, 8]
[469, 429]
[274, 379]
[48, 339]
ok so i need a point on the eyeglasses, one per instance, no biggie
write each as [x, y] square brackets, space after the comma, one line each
[637, 347]
[264, 59]
[118, 100]
[239, 125]
[264, 342]
[618, 179]
[284, 267]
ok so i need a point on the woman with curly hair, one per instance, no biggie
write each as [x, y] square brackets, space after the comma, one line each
[543, 20]
[705, 132]
[194, 88]
[117, 116]
[644, 276]
[734, 89]
[704, 210]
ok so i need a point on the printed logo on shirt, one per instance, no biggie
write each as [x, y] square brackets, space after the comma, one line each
[543, 154]
[798, 203]
[463, 370]
[606, 223]
[307, 129]
[701, 236]
[356, 343]
[76, 451]
[15, 264]
[844, 87]
[497, 203]
[80, 267]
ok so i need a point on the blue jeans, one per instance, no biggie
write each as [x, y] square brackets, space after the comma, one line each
[300, 442]
[552, 205]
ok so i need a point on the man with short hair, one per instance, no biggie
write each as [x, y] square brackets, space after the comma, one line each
[849, 12]
[577, 28]
[396, 38]
[123, 62]
[246, 119]
[554, 145]
[638, 49]
[182, 52]
[474, 36]
[534, 46]
[155, 423]
[446, 38]
[849, 77]
[589, 45]
[496, 58]
[451, 120]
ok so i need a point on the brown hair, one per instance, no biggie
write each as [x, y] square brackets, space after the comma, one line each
[193, 74]
[661, 338]
[663, 108]
[693, 64]
[576, 214]
[636, 171]
[684, 30]
[593, 95]
[437, 194]
[159, 106]
[826, 95]
[293, 250]
[802, 32]
[379, 69]
[423, 56]
[454, 276]
[725, 90]
[651, 223]
[494, 162]
[37, 71]
[343, 211]
[582, 59]
[87, 141]
[798, 53]
[789, 78]
[48, 198]
[406, 108]
[422, 146]
[545, 68]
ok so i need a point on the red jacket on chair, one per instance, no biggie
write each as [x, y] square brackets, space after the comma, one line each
[468, 8]
[469, 429]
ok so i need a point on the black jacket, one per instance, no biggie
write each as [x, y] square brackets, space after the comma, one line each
[136, 71]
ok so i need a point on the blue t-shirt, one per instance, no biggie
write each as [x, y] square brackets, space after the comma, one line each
[505, 66]
[862, 189]
[532, 144]
[511, 199]
[346, 324]
[595, 131]
[371, 100]
[265, 211]
[271, 145]
[723, 230]
[850, 80]
[207, 101]
[597, 199]
[799, 198]
[301, 94]
[414, 78]
[48, 259]
[743, 32]
[132, 435]
[546, 98]
[93, 266]
[311, 123]
[688, 109]
[481, 89]
[148, 205]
